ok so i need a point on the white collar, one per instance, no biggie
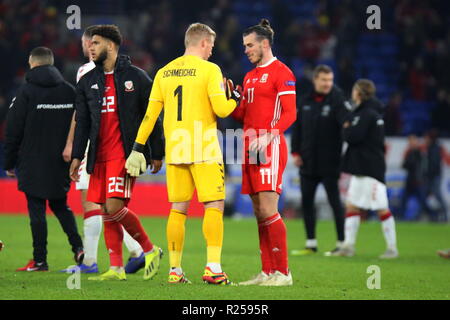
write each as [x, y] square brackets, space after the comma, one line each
[268, 62]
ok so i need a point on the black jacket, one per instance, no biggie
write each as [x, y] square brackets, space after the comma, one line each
[317, 132]
[414, 164]
[131, 105]
[365, 137]
[434, 161]
[38, 122]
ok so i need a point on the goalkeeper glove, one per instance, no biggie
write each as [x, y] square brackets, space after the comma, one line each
[233, 92]
[136, 163]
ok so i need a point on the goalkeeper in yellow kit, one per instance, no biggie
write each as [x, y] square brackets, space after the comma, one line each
[192, 92]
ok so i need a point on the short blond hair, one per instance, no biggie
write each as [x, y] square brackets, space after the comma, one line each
[197, 32]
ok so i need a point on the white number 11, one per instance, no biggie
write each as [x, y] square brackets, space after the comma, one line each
[265, 172]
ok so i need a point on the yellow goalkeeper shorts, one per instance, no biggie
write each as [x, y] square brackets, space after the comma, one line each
[207, 177]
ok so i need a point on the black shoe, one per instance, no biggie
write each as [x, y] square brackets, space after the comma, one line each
[79, 256]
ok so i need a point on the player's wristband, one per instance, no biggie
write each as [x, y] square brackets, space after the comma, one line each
[138, 147]
[236, 96]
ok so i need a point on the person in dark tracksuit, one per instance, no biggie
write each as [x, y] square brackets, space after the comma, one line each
[365, 161]
[316, 149]
[37, 125]
[414, 163]
[435, 153]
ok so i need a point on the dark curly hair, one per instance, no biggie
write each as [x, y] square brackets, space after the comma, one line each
[108, 31]
[263, 31]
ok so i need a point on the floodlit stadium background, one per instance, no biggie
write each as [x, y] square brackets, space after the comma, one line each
[408, 59]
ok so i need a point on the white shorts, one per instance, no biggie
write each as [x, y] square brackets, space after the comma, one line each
[83, 183]
[367, 193]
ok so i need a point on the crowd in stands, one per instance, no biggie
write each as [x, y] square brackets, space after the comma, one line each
[414, 36]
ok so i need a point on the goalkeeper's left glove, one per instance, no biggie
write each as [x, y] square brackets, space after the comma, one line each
[233, 92]
[136, 163]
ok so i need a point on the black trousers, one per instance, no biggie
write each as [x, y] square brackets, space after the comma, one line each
[309, 186]
[38, 223]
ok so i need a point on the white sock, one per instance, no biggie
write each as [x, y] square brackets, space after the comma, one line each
[215, 267]
[132, 245]
[351, 229]
[178, 271]
[388, 227]
[92, 229]
[339, 244]
[311, 243]
[118, 269]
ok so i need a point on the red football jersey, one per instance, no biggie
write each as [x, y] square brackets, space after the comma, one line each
[261, 106]
[110, 145]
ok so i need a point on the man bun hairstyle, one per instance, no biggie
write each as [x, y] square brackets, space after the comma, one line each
[263, 31]
[108, 31]
[366, 89]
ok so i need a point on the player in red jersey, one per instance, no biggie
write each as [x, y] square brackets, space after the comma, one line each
[111, 102]
[93, 221]
[267, 109]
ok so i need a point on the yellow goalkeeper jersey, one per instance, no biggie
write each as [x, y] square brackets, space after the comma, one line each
[192, 93]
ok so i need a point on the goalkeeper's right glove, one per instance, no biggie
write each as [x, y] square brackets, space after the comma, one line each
[233, 92]
[136, 163]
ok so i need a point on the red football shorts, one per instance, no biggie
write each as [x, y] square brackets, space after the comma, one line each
[110, 180]
[266, 172]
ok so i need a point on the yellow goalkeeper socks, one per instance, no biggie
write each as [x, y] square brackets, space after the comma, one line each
[213, 233]
[175, 237]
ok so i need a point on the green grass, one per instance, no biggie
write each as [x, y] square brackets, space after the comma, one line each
[418, 274]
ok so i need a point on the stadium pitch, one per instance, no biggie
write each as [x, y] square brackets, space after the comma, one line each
[418, 274]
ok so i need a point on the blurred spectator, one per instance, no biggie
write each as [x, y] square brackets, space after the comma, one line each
[392, 117]
[308, 42]
[419, 80]
[327, 32]
[415, 165]
[346, 74]
[440, 116]
[442, 65]
[435, 154]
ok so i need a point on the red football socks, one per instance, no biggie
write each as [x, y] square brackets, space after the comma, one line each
[129, 220]
[264, 246]
[113, 240]
[92, 213]
[276, 233]
[386, 216]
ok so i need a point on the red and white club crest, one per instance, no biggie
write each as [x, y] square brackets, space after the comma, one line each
[129, 86]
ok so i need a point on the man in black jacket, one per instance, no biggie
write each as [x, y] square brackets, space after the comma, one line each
[414, 163]
[37, 125]
[364, 160]
[435, 153]
[111, 102]
[316, 149]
